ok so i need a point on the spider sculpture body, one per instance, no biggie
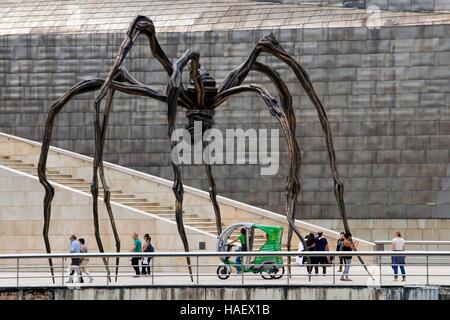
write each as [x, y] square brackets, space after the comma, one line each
[200, 99]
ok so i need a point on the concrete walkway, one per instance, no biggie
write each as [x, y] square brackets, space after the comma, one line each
[438, 275]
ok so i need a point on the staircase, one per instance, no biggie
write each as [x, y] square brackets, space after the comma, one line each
[127, 199]
[144, 193]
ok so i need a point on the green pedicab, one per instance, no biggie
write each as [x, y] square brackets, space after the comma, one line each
[269, 267]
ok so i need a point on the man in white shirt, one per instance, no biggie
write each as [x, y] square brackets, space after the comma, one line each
[75, 265]
[398, 244]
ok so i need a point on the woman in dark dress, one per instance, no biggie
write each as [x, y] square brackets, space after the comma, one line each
[310, 243]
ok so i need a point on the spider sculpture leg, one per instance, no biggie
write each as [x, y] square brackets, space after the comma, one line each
[99, 143]
[279, 113]
[80, 88]
[100, 133]
[145, 26]
[138, 25]
[173, 91]
[213, 195]
[235, 78]
[136, 88]
[270, 45]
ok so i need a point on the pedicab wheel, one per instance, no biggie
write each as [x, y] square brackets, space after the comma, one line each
[267, 270]
[279, 273]
[223, 272]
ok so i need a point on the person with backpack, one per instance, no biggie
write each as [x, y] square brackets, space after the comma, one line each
[321, 244]
[348, 245]
[147, 248]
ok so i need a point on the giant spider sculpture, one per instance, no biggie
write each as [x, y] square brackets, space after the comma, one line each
[200, 99]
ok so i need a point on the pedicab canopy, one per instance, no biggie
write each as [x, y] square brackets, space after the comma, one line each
[273, 242]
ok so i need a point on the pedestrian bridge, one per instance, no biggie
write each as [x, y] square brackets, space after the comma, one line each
[428, 277]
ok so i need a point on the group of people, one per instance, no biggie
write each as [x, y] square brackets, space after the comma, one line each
[314, 242]
[317, 242]
[141, 265]
[78, 265]
[345, 243]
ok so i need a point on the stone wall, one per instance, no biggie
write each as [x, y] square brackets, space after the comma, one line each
[227, 293]
[383, 229]
[386, 92]
[392, 5]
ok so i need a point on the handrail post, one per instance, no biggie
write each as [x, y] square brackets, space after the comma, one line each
[107, 263]
[197, 271]
[152, 270]
[334, 270]
[288, 267]
[242, 269]
[428, 272]
[17, 272]
[380, 264]
[62, 271]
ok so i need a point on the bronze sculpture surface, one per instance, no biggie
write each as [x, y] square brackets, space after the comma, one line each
[200, 100]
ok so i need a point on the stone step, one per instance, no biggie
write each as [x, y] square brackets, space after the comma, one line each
[137, 201]
[9, 161]
[213, 231]
[34, 171]
[78, 184]
[172, 215]
[87, 188]
[157, 210]
[143, 205]
[100, 193]
[195, 219]
[146, 207]
[202, 227]
[21, 166]
[203, 223]
[119, 197]
[58, 176]
[65, 180]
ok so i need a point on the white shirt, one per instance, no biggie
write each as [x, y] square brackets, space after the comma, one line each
[398, 244]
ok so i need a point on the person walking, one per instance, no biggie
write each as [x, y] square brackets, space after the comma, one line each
[310, 244]
[321, 245]
[299, 259]
[398, 244]
[339, 245]
[243, 240]
[147, 248]
[137, 247]
[75, 263]
[348, 245]
[84, 261]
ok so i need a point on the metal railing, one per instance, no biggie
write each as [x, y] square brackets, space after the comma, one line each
[437, 244]
[431, 267]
